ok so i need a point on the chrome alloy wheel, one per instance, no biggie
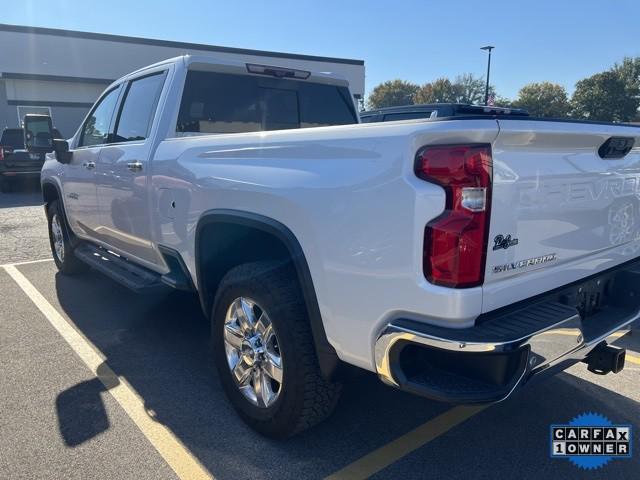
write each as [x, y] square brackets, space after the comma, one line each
[58, 238]
[252, 351]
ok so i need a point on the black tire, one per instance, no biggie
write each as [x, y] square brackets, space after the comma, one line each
[69, 263]
[305, 397]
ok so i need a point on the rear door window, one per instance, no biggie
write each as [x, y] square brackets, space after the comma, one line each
[136, 113]
[227, 103]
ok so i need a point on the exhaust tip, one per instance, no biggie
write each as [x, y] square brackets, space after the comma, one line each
[605, 359]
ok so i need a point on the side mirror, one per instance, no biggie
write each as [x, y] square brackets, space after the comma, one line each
[61, 147]
[38, 133]
[38, 137]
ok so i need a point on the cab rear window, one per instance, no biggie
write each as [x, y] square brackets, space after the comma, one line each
[227, 103]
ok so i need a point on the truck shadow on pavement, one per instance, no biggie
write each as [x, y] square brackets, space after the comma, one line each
[81, 411]
[23, 194]
[160, 344]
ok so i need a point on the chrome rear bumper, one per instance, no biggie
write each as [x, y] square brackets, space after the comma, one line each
[488, 362]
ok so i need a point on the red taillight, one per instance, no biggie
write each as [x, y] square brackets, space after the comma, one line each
[1, 153]
[455, 243]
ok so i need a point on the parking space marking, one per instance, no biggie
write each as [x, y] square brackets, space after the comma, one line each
[632, 359]
[404, 445]
[172, 450]
[575, 334]
[27, 262]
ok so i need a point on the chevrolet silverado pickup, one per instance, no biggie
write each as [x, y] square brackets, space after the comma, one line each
[457, 258]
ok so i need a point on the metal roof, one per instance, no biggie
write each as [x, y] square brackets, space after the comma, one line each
[168, 43]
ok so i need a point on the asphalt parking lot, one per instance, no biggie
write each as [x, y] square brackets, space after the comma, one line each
[97, 382]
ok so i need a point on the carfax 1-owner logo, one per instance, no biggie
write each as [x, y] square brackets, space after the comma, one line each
[591, 441]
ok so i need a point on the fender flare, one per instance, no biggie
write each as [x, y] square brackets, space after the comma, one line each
[63, 210]
[327, 356]
[54, 184]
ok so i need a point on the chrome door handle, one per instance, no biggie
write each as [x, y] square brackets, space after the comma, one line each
[134, 166]
[89, 165]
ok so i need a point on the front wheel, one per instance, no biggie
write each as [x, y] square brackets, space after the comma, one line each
[59, 240]
[264, 351]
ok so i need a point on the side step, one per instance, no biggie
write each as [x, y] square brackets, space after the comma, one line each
[132, 276]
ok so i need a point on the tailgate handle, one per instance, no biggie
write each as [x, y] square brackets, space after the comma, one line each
[616, 147]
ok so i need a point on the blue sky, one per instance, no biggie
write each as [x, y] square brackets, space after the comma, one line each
[561, 40]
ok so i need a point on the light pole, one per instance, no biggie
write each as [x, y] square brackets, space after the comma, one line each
[486, 88]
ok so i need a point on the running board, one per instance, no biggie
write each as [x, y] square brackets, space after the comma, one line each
[128, 274]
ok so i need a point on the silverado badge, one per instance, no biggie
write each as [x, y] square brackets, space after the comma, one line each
[529, 262]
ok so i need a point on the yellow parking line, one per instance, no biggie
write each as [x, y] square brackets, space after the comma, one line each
[177, 456]
[632, 359]
[402, 446]
[575, 333]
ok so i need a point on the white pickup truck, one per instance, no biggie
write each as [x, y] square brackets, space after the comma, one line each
[458, 258]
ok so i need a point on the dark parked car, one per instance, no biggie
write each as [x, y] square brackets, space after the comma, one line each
[15, 162]
[433, 110]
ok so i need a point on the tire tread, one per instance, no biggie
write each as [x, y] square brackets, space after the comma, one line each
[318, 396]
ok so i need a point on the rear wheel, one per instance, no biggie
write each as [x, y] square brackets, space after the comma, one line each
[61, 247]
[264, 351]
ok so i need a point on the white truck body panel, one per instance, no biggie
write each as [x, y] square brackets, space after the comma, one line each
[350, 196]
[354, 204]
[554, 194]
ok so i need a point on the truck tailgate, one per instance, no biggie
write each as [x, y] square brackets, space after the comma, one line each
[559, 211]
[20, 160]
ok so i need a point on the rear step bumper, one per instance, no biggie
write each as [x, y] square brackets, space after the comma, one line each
[503, 351]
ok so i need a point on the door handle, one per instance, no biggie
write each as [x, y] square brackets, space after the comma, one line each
[89, 165]
[135, 166]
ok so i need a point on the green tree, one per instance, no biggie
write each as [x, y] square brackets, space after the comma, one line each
[424, 94]
[544, 99]
[504, 102]
[465, 89]
[439, 91]
[392, 93]
[444, 91]
[629, 72]
[470, 89]
[606, 97]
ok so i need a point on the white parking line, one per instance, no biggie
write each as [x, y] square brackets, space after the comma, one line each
[172, 450]
[27, 262]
